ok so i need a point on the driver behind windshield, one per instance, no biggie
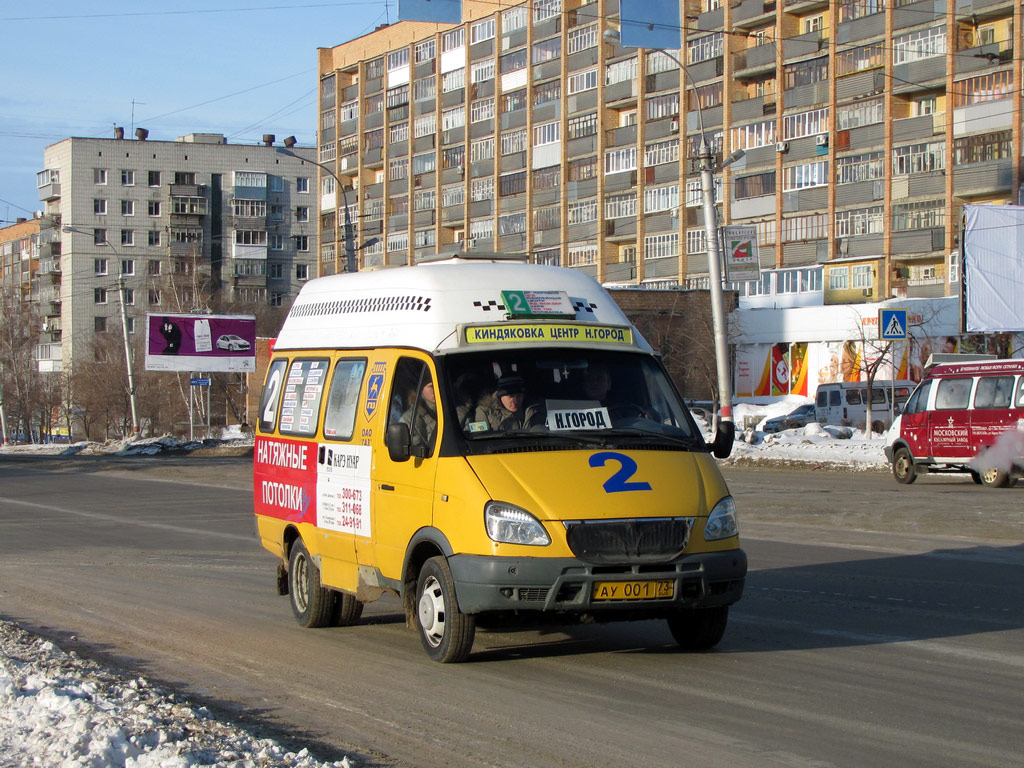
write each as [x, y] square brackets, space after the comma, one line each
[509, 409]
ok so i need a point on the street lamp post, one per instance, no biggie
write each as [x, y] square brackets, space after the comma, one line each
[707, 182]
[350, 242]
[129, 362]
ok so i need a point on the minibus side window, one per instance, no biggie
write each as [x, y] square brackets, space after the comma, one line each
[1020, 392]
[834, 397]
[415, 404]
[343, 399]
[822, 399]
[918, 401]
[994, 392]
[303, 393]
[271, 397]
[953, 394]
[854, 396]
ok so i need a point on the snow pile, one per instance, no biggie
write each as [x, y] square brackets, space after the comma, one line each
[57, 709]
[232, 438]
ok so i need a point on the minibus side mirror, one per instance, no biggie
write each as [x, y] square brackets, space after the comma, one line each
[721, 446]
[398, 441]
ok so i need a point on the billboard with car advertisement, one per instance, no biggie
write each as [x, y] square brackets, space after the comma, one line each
[207, 343]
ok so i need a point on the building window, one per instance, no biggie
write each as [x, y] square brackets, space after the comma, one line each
[154, 267]
[620, 206]
[481, 189]
[99, 237]
[661, 198]
[547, 133]
[100, 326]
[805, 123]
[582, 125]
[513, 19]
[154, 237]
[481, 228]
[918, 158]
[154, 296]
[453, 118]
[398, 169]
[549, 257]
[661, 152]
[424, 163]
[854, 168]
[978, 90]
[512, 223]
[850, 60]
[453, 40]
[302, 213]
[805, 176]
[582, 212]
[127, 207]
[424, 200]
[922, 214]
[547, 218]
[860, 113]
[424, 51]
[661, 245]
[696, 241]
[582, 81]
[302, 185]
[622, 159]
[276, 271]
[806, 72]
[454, 80]
[99, 207]
[154, 178]
[921, 44]
[660, 61]
[546, 50]
[546, 93]
[99, 295]
[481, 149]
[425, 125]
[621, 71]
[481, 109]
[512, 183]
[453, 194]
[129, 299]
[861, 275]
[803, 228]
[302, 243]
[705, 47]
[581, 38]
[127, 237]
[481, 71]
[755, 185]
[583, 168]
[982, 148]
[665, 105]
[546, 9]
[513, 141]
[839, 278]
[582, 255]
[547, 178]
[153, 208]
[514, 100]
[754, 135]
[99, 267]
[301, 271]
[99, 175]
[127, 178]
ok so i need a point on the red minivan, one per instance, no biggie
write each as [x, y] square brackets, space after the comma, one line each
[964, 417]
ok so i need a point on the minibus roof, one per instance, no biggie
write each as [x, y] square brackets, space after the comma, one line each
[990, 367]
[429, 306]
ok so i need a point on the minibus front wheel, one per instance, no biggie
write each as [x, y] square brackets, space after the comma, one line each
[995, 478]
[903, 468]
[445, 631]
[699, 629]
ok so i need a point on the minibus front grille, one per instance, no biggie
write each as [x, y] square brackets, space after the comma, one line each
[648, 540]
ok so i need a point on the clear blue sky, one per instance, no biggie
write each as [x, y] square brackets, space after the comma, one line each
[238, 67]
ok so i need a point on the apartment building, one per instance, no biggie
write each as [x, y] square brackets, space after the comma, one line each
[866, 126]
[194, 223]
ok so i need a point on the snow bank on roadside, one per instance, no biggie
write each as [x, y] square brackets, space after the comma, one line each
[57, 709]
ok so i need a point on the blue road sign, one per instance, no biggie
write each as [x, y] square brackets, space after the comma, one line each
[892, 324]
[201, 382]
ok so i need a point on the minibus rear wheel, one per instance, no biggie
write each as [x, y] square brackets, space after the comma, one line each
[994, 478]
[903, 466]
[312, 605]
[699, 629]
[445, 631]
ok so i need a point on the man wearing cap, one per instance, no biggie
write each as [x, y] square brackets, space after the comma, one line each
[509, 409]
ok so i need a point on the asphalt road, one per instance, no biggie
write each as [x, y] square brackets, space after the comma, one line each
[882, 625]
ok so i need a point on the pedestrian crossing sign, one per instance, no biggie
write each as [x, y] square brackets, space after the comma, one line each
[892, 324]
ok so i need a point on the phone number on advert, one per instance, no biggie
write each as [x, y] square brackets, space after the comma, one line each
[353, 494]
[350, 508]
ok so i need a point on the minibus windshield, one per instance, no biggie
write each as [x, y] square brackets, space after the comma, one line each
[577, 393]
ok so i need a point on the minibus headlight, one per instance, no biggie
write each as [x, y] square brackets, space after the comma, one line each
[722, 521]
[509, 524]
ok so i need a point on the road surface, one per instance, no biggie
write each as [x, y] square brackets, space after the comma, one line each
[881, 625]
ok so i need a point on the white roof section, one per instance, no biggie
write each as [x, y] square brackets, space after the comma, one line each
[424, 306]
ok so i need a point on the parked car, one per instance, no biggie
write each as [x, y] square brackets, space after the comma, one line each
[232, 343]
[800, 417]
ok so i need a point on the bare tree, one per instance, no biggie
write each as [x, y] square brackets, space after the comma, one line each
[19, 376]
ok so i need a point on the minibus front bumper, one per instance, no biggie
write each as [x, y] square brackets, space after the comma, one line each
[485, 584]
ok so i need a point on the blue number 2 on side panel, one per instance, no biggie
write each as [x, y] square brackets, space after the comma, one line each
[620, 480]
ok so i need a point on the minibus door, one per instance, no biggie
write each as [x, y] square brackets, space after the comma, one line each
[992, 413]
[403, 491]
[950, 423]
[914, 422]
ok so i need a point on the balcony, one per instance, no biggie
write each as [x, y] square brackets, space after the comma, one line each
[754, 61]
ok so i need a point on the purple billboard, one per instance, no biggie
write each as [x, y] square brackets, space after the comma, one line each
[201, 343]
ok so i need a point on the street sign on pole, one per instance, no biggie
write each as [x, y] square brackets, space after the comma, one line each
[201, 381]
[892, 324]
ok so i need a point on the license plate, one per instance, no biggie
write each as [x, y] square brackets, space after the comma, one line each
[660, 589]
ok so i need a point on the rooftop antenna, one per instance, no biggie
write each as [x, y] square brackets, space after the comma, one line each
[134, 102]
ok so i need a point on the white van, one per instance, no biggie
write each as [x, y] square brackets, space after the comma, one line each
[844, 403]
[487, 442]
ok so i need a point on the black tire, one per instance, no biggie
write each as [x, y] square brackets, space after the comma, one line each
[445, 631]
[699, 629]
[975, 477]
[347, 610]
[994, 478]
[312, 605]
[903, 468]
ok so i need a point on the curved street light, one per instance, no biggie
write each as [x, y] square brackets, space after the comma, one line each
[350, 243]
[124, 325]
[707, 182]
